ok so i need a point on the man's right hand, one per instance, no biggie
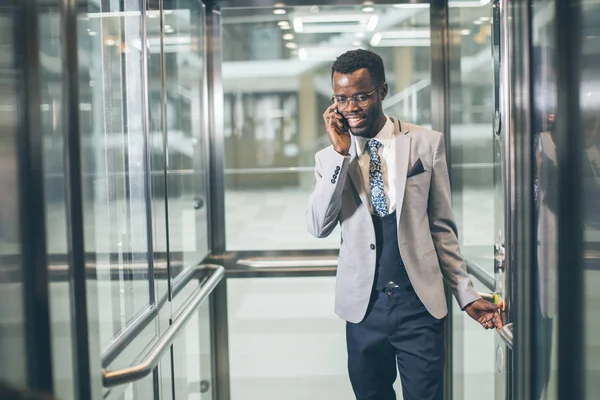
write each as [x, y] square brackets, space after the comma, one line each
[338, 134]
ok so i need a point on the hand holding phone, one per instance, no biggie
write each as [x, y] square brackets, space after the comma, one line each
[337, 129]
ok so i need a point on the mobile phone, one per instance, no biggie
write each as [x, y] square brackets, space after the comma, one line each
[346, 127]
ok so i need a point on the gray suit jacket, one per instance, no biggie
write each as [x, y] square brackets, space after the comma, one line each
[427, 234]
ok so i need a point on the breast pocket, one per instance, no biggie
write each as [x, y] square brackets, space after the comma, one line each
[417, 190]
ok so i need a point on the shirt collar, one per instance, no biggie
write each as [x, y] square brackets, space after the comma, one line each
[384, 136]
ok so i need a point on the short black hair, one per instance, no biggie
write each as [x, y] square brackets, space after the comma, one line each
[354, 60]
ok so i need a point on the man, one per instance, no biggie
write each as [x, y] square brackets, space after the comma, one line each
[386, 183]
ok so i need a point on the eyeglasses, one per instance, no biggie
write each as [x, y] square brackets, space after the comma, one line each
[360, 99]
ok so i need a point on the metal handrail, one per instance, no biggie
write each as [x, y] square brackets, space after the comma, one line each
[156, 352]
[143, 319]
[274, 262]
[507, 335]
[479, 273]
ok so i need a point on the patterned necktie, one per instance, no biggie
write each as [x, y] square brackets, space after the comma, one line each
[376, 180]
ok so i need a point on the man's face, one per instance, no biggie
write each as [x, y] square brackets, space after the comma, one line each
[364, 119]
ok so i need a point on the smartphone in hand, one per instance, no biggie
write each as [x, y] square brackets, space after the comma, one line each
[345, 128]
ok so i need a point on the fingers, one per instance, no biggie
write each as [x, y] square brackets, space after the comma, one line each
[334, 122]
[491, 320]
[498, 321]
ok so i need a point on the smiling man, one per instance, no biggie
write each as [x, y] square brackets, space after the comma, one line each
[386, 183]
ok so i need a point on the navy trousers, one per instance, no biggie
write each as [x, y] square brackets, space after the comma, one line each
[397, 328]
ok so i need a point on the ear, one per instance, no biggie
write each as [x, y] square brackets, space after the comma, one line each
[383, 90]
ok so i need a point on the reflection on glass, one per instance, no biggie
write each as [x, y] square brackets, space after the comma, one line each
[184, 125]
[112, 128]
[54, 186]
[473, 195]
[12, 323]
[277, 84]
[192, 358]
[545, 191]
[590, 123]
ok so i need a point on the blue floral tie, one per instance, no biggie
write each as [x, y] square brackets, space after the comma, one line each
[376, 180]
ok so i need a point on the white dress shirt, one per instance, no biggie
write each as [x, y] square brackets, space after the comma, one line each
[387, 154]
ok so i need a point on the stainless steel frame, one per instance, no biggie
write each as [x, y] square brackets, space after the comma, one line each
[32, 220]
[571, 367]
[519, 212]
[74, 199]
[440, 121]
[216, 206]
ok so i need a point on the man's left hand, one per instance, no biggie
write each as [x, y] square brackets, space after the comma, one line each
[485, 313]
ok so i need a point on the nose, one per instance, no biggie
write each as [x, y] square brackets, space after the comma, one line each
[352, 106]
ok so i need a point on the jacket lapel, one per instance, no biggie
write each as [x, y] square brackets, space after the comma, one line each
[403, 142]
[355, 174]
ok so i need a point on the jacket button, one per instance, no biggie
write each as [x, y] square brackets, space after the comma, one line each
[333, 181]
[337, 169]
[372, 246]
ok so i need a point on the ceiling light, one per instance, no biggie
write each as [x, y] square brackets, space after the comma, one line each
[468, 4]
[335, 23]
[291, 45]
[465, 32]
[356, 43]
[360, 34]
[408, 38]
[368, 3]
[279, 5]
[302, 54]
[279, 11]
[413, 5]
[484, 19]
[478, 22]
[314, 9]
[376, 39]
[322, 53]
[368, 9]
[288, 36]
[283, 23]
[285, 27]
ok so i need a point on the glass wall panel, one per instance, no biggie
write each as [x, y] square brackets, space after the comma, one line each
[192, 358]
[590, 124]
[12, 319]
[473, 195]
[277, 84]
[112, 119]
[185, 125]
[56, 206]
[545, 180]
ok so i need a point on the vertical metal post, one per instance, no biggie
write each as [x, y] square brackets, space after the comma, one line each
[74, 199]
[147, 148]
[571, 370]
[30, 148]
[521, 238]
[216, 205]
[220, 342]
[440, 121]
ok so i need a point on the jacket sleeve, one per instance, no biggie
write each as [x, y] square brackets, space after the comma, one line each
[325, 202]
[444, 231]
